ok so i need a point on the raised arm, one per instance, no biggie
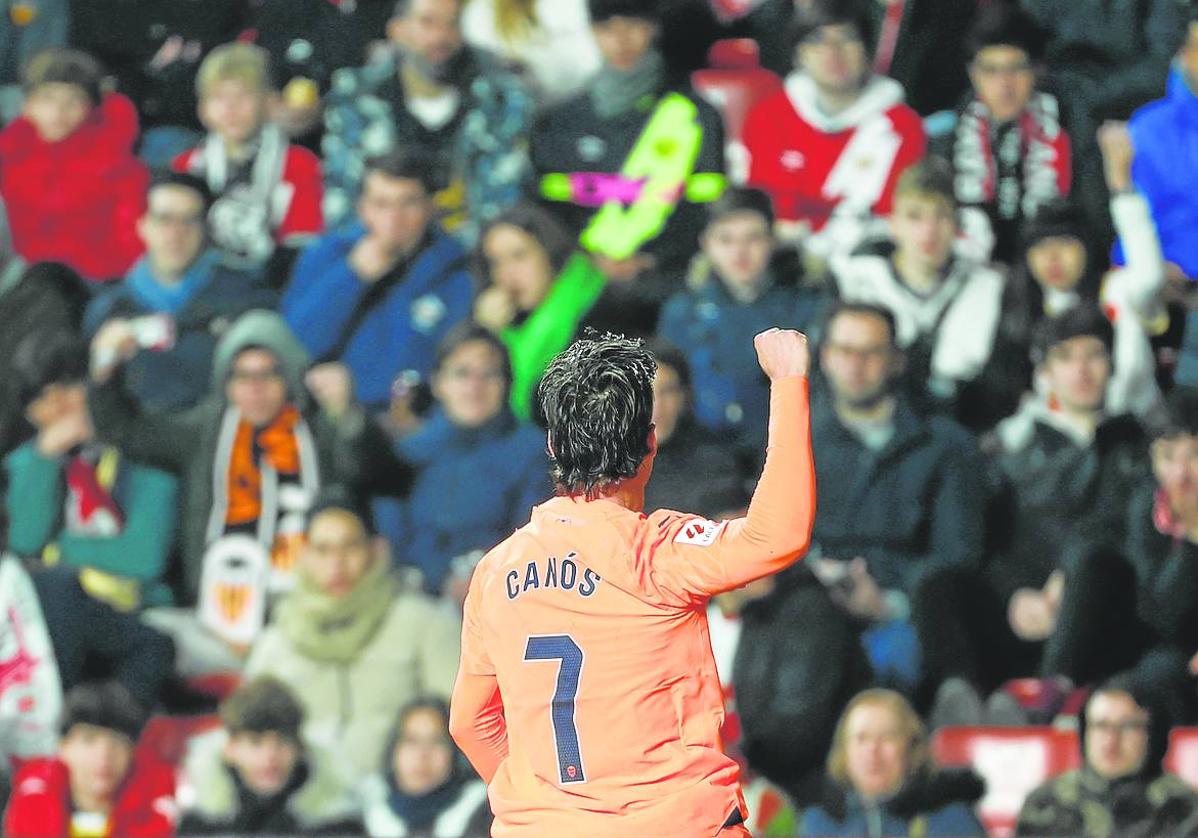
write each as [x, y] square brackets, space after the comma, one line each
[698, 558]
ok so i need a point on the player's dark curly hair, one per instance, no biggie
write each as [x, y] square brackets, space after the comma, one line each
[597, 397]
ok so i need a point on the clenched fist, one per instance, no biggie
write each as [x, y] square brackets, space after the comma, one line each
[782, 353]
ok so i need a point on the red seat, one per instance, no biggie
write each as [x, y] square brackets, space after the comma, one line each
[734, 54]
[166, 736]
[1012, 761]
[1182, 758]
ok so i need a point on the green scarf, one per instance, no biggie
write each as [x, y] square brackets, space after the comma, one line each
[336, 629]
[549, 328]
[615, 92]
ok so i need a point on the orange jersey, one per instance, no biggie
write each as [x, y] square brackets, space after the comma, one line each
[587, 685]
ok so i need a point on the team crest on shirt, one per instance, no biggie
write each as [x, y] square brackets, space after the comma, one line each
[700, 532]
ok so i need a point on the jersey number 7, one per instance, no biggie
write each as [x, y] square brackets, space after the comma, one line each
[561, 647]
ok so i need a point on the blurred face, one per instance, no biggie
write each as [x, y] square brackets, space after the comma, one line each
[876, 750]
[98, 760]
[623, 41]
[263, 760]
[57, 109]
[337, 552]
[518, 264]
[1175, 464]
[234, 110]
[430, 29]
[1003, 80]
[1078, 370]
[1116, 735]
[924, 229]
[859, 360]
[834, 56]
[256, 387]
[669, 402]
[423, 758]
[739, 247]
[55, 402]
[471, 385]
[395, 210]
[173, 230]
[1188, 55]
[1057, 262]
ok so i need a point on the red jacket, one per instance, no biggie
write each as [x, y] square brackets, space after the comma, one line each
[40, 805]
[811, 163]
[77, 201]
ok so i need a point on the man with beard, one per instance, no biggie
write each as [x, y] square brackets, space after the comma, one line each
[899, 493]
[437, 94]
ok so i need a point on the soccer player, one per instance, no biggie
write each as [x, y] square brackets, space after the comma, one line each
[587, 695]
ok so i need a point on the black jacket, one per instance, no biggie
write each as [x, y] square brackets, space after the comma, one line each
[695, 471]
[915, 504]
[1050, 494]
[798, 662]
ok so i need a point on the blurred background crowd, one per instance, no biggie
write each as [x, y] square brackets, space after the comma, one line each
[278, 281]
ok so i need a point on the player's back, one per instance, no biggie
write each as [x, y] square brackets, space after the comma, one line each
[604, 665]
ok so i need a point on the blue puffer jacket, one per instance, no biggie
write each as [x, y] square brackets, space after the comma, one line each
[400, 332]
[1165, 170]
[715, 332]
[473, 488]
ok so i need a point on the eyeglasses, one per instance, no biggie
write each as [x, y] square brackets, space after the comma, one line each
[1121, 728]
[827, 41]
[177, 220]
[466, 374]
[268, 376]
[992, 70]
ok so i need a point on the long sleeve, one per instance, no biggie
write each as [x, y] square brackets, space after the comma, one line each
[477, 723]
[322, 295]
[698, 559]
[34, 499]
[440, 652]
[1143, 277]
[476, 719]
[148, 498]
[166, 441]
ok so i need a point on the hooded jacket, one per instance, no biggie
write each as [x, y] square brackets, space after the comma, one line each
[77, 201]
[1165, 169]
[939, 803]
[814, 165]
[1148, 803]
[350, 451]
[40, 806]
[311, 802]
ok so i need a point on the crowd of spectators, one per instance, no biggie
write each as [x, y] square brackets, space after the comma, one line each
[278, 282]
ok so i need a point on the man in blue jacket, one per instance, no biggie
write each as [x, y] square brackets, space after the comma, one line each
[182, 286]
[1165, 135]
[379, 294]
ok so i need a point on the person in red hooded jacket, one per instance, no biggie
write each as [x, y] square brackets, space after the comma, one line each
[97, 786]
[73, 187]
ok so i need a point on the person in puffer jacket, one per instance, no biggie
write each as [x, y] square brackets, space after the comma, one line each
[73, 188]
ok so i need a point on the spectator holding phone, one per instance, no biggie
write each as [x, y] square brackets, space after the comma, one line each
[176, 300]
[899, 492]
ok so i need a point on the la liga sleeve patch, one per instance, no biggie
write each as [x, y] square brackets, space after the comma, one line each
[700, 532]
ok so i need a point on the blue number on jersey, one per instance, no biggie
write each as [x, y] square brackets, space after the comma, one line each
[562, 647]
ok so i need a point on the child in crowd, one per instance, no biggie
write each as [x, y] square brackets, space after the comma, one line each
[268, 192]
[73, 188]
[256, 776]
[96, 786]
[738, 288]
[946, 307]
